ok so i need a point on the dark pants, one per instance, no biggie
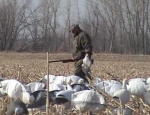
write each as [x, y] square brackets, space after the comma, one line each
[78, 70]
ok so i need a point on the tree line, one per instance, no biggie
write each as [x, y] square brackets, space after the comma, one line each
[115, 26]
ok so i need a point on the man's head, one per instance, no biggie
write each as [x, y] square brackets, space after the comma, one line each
[75, 29]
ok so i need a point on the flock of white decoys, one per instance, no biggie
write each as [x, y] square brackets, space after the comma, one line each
[74, 94]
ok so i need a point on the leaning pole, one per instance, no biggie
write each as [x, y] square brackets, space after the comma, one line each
[47, 86]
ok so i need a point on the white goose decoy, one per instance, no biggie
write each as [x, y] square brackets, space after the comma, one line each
[148, 80]
[123, 95]
[14, 89]
[147, 83]
[51, 78]
[112, 81]
[80, 86]
[40, 98]
[86, 100]
[109, 86]
[112, 88]
[107, 82]
[83, 101]
[53, 87]
[75, 79]
[65, 96]
[87, 63]
[35, 86]
[146, 97]
[61, 80]
[101, 84]
[137, 87]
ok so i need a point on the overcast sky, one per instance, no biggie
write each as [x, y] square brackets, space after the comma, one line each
[74, 12]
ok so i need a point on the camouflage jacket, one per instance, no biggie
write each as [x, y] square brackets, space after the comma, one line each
[81, 45]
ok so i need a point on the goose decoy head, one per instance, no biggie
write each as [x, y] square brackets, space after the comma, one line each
[19, 110]
[81, 81]
[69, 81]
[147, 80]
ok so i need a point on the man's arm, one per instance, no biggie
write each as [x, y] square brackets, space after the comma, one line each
[86, 44]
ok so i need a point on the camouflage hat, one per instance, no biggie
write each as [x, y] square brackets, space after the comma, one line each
[73, 27]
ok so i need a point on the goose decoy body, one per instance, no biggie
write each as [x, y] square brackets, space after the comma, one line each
[65, 96]
[88, 100]
[122, 95]
[17, 107]
[35, 86]
[40, 98]
[16, 90]
[137, 86]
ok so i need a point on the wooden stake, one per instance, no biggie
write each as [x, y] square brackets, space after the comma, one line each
[47, 99]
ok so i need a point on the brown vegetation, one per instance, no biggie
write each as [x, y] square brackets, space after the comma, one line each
[33, 65]
[27, 67]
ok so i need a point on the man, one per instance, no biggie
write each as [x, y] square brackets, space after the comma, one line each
[81, 47]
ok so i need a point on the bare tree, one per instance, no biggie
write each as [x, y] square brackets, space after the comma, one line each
[124, 23]
[49, 9]
[114, 25]
[78, 10]
[13, 21]
[67, 34]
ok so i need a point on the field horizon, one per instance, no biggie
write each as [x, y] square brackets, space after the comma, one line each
[33, 66]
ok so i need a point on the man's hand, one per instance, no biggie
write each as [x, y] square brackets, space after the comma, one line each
[87, 54]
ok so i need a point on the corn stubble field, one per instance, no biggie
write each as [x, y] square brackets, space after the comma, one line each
[27, 67]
